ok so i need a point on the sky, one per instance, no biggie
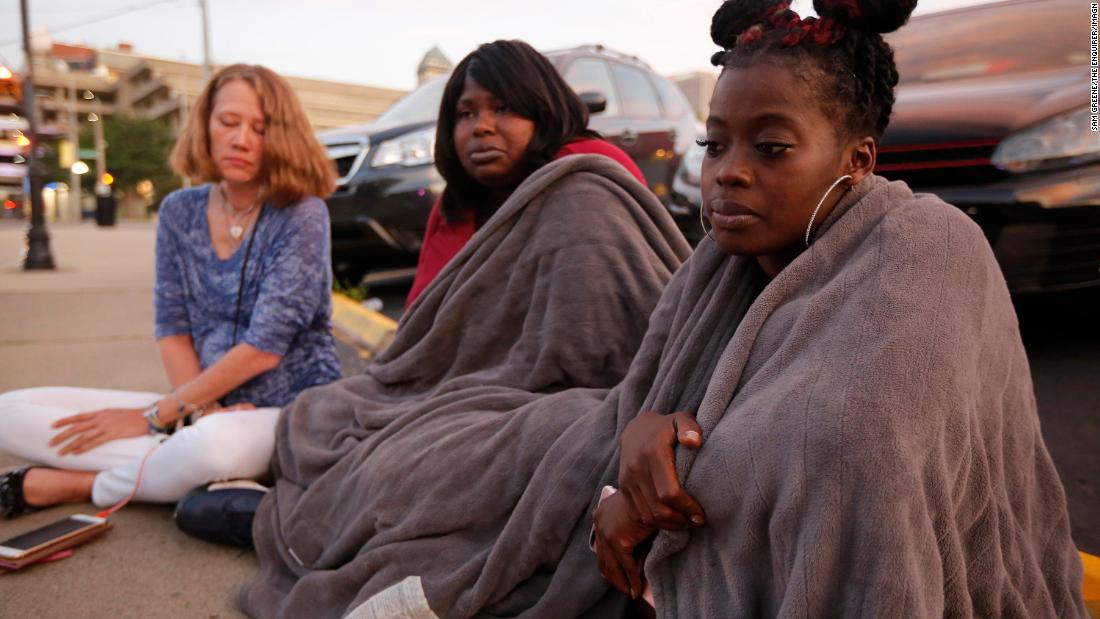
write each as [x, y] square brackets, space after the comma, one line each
[373, 42]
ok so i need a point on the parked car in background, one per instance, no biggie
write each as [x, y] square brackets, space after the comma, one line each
[993, 115]
[686, 195]
[388, 181]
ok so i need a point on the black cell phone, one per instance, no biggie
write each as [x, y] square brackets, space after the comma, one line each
[44, 541]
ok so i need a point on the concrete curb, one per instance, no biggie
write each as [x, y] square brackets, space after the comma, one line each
[370, 332]
[1090, 589]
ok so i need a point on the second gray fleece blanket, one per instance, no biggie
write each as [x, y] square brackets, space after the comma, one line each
[416, 467]
[872, 446]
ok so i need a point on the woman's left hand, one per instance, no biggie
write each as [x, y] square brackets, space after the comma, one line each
[89, 430]
[619, 531]
[647, 469]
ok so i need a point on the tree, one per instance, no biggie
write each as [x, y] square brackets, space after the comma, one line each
[137, 150]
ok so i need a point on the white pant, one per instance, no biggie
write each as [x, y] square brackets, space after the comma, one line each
[217, 447]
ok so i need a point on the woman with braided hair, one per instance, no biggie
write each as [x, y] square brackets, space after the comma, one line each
[841, 421]
[830, 412]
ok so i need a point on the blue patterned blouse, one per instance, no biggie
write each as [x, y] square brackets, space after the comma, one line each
[286, 302]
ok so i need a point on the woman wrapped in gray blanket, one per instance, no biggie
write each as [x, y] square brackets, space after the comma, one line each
[544, 263]
[866, 440]
[861, 437]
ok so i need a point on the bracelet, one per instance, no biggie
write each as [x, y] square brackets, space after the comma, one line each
[189, 409]
[157, 425]
[153, 420]
[605, 492]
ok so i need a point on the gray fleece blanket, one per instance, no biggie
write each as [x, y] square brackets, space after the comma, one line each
[422, 466]
[872, 446]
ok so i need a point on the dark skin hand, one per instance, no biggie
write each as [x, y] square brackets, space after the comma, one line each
[618, 532]
[647, 469]
[650, 496]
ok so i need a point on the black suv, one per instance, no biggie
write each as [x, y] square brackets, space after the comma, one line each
[993, 115]
[388, 182]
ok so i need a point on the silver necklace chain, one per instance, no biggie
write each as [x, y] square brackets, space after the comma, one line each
[236, 230]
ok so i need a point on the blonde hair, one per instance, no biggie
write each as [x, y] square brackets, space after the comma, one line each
[295, 164]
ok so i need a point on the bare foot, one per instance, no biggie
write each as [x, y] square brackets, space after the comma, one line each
[43, 486]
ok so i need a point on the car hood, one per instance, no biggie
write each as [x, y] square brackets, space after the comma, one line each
[983, 108]
[373, 132]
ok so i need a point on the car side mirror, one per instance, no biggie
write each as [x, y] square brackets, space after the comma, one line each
[596, 102]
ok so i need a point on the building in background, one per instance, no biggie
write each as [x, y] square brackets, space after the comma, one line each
[434, 64]
[14, 145]
[77, 84]
[123, 81]
[697, 86]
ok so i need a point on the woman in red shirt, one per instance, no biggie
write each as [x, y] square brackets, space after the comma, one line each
[543, 275]
[498, 123]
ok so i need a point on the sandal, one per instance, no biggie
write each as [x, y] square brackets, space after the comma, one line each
[12, 502]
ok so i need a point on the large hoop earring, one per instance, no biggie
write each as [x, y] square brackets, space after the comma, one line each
[813, 216]
[703, 223]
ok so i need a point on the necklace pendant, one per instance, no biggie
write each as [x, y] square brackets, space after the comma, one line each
[236, 231]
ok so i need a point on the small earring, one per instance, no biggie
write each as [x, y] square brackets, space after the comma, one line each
[813, 216]
[703, 224]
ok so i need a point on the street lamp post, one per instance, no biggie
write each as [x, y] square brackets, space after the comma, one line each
[205, 42]
[74, 138]
[100, 147]
[38, 238]
[104, 198]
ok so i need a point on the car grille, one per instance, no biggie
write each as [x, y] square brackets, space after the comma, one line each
[348, 157]
[343, 165]
[1038, 249]
[944, 164]
[1062, 252]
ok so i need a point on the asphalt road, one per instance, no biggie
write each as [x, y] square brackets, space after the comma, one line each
[1062, 335]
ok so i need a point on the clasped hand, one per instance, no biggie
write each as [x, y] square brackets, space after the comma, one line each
[650, 496]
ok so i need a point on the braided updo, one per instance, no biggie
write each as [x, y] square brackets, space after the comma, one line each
[849, 66]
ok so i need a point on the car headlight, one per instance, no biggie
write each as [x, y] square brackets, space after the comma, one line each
[1064, 140]
[408, 150]
[692, 166]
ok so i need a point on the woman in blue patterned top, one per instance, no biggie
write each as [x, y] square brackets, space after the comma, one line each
[242, 317]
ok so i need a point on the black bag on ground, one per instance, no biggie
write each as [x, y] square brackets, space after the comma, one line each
[220, 513]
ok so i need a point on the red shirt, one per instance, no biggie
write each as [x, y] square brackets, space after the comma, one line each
[443, 239]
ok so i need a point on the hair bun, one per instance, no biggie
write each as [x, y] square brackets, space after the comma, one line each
[735, 17]
[877, 16]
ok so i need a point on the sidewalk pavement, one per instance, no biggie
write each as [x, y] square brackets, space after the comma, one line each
[89, 323]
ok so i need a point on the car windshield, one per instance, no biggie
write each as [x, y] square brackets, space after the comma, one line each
[419, 105]
[423, 103]
[992, 40]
